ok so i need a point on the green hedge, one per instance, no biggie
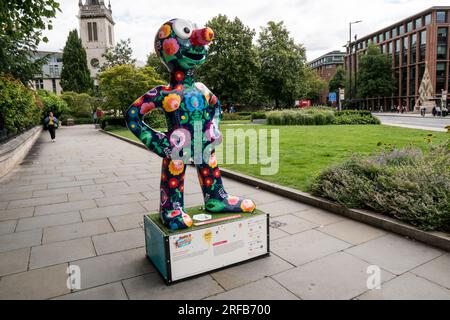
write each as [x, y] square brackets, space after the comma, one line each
[236, 117]
[259, 115]
[81, 105]
[154, 119]
[320, 116]
[300, 117]
[406, 184]
[20, 108]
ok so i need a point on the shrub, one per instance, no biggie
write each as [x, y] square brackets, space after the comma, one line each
[303, 117]
[20, 108]
[355, 117]
[406, 184]
[235, 117]
[154, 119]
[80, 104]
[52, 103]
[258, 115]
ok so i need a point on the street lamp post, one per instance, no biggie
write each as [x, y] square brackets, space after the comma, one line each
[350, 58]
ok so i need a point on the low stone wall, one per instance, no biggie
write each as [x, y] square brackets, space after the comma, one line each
[15, 150]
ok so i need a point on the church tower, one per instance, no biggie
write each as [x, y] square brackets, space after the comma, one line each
[96, 32]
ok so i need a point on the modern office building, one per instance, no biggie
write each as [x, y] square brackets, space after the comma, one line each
[326, 66]
[50, 76]
[413, 43]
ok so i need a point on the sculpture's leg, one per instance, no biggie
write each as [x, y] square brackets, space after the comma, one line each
[217, 200]
[172, 209]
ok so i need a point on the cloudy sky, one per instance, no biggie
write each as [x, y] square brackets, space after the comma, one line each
[321, 25]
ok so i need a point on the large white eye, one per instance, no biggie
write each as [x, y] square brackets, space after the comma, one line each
[183, 28]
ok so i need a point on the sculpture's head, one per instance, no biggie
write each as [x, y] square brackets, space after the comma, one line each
[181, 45]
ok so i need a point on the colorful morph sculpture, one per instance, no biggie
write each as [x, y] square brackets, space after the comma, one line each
[192, 113]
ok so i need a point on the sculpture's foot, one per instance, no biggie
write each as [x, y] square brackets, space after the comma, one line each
[176, 219]
[231, 204]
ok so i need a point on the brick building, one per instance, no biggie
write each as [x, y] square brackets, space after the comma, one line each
[414, 42]
[326, 66]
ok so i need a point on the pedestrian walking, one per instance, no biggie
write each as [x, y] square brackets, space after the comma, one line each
[52, 123]
[94, 116]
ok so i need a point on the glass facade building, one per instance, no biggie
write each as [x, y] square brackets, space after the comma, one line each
[412, 43]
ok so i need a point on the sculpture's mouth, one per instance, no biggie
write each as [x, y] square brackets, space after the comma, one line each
[193, 56]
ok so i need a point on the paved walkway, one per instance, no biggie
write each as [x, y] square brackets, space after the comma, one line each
[80, 201]
[415, 121]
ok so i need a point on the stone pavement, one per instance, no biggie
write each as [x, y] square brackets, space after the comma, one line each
[80, 202]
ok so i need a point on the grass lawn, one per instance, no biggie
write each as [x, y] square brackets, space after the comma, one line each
[307, 150]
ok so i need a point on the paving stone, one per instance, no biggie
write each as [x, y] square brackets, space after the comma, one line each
[152, 287]
[58, 252]
[292, 225]
[105, 202]
[119, 241]
[237, 276]
[408, 287]
[306, 246]
[14, 261]
[51, 180]
[16, 213]
[35, 284]
[104, 186]
[54, 192]
[64, 207]
[113, 291]
[19, 240]
[48, 221]
[4, 205]
[127, 222]
[318, 216]
[15, 196]
[7, 226]
[265, 289]
[336, 277]
[129, 190]
[394, 253]
[262, 197]
[352, 232]
[96, 176]
[76, 231]
[437, 270]
[10, 189]
[113, 267]
[150, 205]
[117, 210]
[276, 234]
[68, 184]
[86, 195]
[279, 208]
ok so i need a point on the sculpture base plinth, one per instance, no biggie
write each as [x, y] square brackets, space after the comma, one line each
[179, 255]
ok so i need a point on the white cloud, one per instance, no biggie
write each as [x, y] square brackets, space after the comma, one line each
[321, 25]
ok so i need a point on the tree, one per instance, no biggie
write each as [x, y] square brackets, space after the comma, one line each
[314, 84]
[123, 84]
[375, 76]
[75, 75]
[232, 67]
[155, 62]
[121, 53]
[282, 65]
[339, 80]
[21, 26]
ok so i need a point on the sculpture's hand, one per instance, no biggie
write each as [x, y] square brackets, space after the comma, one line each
[154, 140]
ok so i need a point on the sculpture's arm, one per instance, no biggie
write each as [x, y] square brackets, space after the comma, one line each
[154, 140]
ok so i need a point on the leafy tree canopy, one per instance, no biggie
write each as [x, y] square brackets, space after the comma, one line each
[155, 62]
[121, 53]
[375, 76]
[21, 27]
[122, 84]
[338, 81]
[282, 65]
[231, 70]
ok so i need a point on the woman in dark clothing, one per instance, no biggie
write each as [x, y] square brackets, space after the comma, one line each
[52, 124]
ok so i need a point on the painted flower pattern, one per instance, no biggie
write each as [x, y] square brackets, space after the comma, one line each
[164, 31]
[194, 101]
[171, 46]
[248, 205]
[171, 102]
[147, 107]
[176, 167]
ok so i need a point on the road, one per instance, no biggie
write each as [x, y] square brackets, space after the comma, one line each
[415, 122]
